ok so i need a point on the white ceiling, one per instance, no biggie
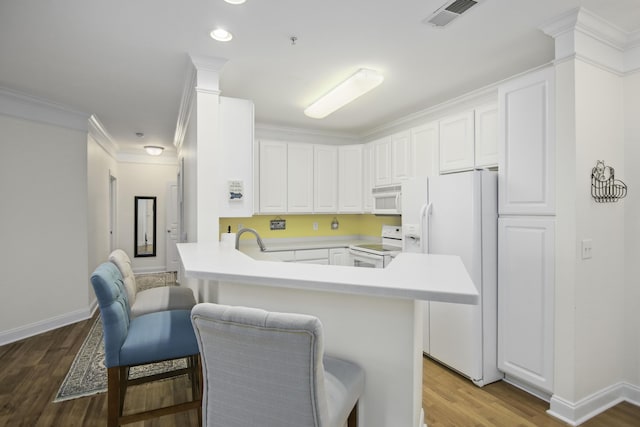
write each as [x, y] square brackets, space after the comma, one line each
[126, 60]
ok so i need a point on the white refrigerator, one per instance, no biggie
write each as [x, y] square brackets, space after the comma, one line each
[456, 214]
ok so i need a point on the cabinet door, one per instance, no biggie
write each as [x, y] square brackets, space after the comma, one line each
[367, 177]
[486, 131]
[350, 178]
[299, 177]
[424, 141]
[382, 162]
[526, 144]
[457, 142]
[340, 256]
[525, 299]
[325, 182]
[273, 176]
[401, 157]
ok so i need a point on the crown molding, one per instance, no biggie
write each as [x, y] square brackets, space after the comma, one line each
[203, 75]
[23, 106]
[100, 134]
[269, 131]
[186, 103]
[582, 34]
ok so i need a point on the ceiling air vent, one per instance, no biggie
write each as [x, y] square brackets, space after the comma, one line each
[449, 11]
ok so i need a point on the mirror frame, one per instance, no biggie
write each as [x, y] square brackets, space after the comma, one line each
[136, 253]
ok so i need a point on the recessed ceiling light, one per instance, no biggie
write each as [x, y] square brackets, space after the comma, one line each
[235, 1]
[221, 35]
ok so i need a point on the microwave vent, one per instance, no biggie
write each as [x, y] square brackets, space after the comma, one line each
[449, 11]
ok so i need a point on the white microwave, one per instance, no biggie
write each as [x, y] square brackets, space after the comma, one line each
[386, 200]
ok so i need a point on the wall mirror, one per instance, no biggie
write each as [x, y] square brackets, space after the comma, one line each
[144, 233]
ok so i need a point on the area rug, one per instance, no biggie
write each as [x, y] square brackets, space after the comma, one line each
[88, 374]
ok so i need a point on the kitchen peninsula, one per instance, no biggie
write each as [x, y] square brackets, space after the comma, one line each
[370, 316]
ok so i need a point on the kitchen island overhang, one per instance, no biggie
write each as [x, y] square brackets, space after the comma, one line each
[412, 276]
[370, 316]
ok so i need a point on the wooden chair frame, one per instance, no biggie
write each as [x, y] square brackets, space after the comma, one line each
[118, 381]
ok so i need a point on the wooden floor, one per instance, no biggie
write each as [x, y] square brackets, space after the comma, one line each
[32, 370]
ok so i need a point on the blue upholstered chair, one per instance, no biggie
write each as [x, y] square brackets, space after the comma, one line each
[268, 369]
[148, 338]
[150, 300]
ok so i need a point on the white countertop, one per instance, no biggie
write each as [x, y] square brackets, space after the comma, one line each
[410, 275]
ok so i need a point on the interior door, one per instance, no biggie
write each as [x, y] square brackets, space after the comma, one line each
[113, 210]
[172, 261]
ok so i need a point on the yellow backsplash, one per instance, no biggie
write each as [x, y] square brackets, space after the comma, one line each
[302, 225]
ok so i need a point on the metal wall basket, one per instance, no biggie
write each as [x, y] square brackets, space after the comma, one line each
[604, 187]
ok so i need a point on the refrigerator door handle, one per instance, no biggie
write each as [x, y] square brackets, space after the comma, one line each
[425, 211]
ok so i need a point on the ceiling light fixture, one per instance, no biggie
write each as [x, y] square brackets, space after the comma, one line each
[153, 150]
[221, 35]
[235, 1]
[357, 85]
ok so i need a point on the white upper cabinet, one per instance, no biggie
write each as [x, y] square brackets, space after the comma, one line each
[401, 157]
[273, 176]
[368, 178]
[236, 150]
[457, 142]
[299, 177]
[527, 145]
[382, 161]
[325, 182]
[486, 132]
[424, 141]
[350, 178]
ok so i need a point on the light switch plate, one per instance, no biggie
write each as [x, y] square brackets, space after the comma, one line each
[587, 248]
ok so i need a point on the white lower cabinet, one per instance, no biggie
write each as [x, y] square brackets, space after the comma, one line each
[525, 299]
[340, 256]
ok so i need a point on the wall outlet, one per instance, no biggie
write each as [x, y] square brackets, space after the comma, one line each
[240, 227]
[315, 226]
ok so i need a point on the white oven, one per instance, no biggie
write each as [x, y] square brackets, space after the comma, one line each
[378, 255]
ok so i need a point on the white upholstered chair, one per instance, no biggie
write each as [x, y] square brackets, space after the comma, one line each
[154, 299]
[269, 369]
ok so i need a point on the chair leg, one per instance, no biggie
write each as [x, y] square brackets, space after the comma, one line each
[352, 421]
[196, 384]
[113, 396]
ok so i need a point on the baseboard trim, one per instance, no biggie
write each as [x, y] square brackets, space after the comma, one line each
[26, 331]
[542, 395]
[581, 411]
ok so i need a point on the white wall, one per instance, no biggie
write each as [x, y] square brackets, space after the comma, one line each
[44, 251]
[590, 342]
[99, 167]
[140, 179]
[565, 260]
[632, 225]
[600, 286]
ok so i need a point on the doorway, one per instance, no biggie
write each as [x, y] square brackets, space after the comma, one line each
[113, 210]
[172, 261]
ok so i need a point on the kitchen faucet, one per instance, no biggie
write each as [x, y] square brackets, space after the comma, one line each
[250, 230]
